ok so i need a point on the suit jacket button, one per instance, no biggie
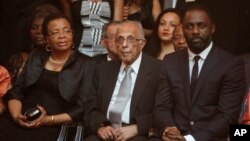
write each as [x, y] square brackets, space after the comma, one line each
[191, 123]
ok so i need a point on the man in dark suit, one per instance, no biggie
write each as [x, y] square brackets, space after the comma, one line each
[198, 100]
[108, 41]
[137, 116]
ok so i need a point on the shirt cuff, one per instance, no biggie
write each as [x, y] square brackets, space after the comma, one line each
[189, 138]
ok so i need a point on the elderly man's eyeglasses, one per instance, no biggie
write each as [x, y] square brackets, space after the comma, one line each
[178, 37]
[58, 33]
[129, 39]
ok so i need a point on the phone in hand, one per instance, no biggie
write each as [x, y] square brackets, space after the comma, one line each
[33, 113]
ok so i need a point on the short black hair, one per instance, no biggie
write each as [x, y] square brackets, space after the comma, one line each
[50, 18]
[200, 7]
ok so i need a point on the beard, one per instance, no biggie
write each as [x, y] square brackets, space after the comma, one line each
[197, 44]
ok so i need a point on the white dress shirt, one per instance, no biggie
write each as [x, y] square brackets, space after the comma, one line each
[201, 61]
[203, 56]
[135, 66]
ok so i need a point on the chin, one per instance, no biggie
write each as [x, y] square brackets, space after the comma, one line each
[179, 48]
[165, 39]
[39, 44]
[127, 61]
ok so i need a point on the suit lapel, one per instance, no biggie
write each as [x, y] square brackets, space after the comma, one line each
[209, 63]
[109, 83]
[184, 67]
[142, 80]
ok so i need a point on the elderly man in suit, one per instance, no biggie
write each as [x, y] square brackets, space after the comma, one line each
[201, 88]
[108, 41]
[124, 90]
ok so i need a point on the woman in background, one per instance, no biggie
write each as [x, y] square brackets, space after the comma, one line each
[34, 29]
[55, 80]
[144, 11]
[161, 42]
[89, 17]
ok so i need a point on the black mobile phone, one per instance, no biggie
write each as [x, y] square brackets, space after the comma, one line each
[32, 114]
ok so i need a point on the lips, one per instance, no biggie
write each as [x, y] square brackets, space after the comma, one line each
[126, 53]
[61, 44]
[196, 39]
[39, 40]
[181, 47]
[165, 34]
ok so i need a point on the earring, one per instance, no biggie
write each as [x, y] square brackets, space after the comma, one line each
[48, 48]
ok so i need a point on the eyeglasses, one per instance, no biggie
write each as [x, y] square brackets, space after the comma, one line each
[57, 33]
[129, 39]
[178, 37]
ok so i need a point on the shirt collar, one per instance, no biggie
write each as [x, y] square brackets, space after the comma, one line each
[135, 65]
[108, 58]
[203, 54]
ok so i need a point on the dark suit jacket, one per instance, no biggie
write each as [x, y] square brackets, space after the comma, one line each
[216, 102]
[143, 96]
[101, 58]
[73, 82]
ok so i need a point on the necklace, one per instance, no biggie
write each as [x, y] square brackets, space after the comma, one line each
[57, 62]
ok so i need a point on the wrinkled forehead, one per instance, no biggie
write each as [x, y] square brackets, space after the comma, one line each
[178, 29]
[128, 28]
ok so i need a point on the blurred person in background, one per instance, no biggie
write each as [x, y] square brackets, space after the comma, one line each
[36, 39]
[89, 17]
[179, 40]
[161, 42]
[5, 85]
[108, 42]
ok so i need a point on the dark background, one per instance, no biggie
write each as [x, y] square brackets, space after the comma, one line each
[232, 20]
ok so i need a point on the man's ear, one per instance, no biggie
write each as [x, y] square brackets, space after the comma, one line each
[103, 43]
[143, 43]
[213, 28]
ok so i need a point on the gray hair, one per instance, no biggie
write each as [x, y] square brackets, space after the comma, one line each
[139, 25]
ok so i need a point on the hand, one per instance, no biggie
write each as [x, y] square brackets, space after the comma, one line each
[107, 133]
[125, 12]
[22, 121]
[172, 134]
[44, 119]
[125, 133]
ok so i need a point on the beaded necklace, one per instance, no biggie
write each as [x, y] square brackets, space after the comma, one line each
[57, 62]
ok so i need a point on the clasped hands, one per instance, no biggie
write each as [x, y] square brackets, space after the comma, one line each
[172, 134]
[109, 133]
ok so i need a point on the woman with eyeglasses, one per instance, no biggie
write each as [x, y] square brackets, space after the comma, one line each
[55, 80]
[161, 42]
